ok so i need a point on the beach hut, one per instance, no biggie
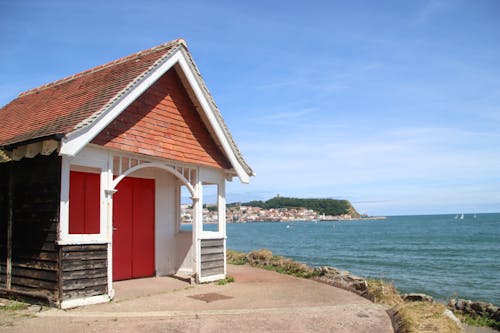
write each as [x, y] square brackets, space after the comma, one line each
[97, 164]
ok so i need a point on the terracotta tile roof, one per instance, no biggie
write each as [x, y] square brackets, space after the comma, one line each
[62, 106]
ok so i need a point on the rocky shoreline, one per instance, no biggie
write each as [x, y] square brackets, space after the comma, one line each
[400, 306]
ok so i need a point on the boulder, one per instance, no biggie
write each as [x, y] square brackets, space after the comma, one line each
[342, 279]
[417, 297]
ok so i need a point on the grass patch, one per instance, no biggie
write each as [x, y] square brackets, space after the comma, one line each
[14, 306]
[223, 282]
[265, 259]
[384, 292]
[482, 321]
[236, 257]
[423, 317]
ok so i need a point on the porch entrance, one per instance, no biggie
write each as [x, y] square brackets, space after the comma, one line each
[134, 229]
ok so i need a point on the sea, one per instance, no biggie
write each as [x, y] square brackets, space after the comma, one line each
[439, 255]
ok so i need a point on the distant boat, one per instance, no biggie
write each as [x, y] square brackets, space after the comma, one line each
[462, 216]
[288, 226]
[475, 216]
[456, 217]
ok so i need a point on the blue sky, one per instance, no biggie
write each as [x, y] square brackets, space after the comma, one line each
[394, 105]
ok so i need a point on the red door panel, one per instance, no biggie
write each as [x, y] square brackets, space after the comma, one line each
[84, 203]
[122, 231]
[133, 229]
[143, 260]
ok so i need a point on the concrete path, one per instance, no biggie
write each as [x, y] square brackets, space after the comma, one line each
[259, 301]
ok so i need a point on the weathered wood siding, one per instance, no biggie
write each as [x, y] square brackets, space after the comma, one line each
[4, 181]
[84, 270]
[35, 216]
[212, 257]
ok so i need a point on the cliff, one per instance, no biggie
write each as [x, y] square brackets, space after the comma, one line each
[332, 207]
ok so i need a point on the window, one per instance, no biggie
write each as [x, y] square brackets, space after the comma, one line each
[185, 210]
[84, 203]
[210, 207]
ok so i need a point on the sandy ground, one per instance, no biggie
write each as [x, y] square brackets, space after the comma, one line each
[259, 300]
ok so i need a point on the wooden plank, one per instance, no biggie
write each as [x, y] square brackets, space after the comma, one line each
[210, 250]
[35, 264]
[35, 274]
[85, 255]
[82, 274]
[76, 265]
[212, 257]
[48, 256]
[212, 264]
[35, 246]
[33, 283]
[212, 271]
[86, 247]
[212, 242]
[86, 292]
[83, 283]
[34, 292]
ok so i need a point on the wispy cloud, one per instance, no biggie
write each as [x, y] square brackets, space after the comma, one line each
[432, 8]
[288, 115]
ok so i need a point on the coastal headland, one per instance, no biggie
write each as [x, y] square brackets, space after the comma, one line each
[283, 209]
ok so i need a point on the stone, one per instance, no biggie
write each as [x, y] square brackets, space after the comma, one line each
[417, 297]
[452, 303]
[479, 307]
[496, 315]
[35, 308]
[460, 305]
[452, 316]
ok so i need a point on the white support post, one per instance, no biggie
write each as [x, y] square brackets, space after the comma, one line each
[109, 223]
[222, 217]
[197, 226]
[221, 204]
[63, 229]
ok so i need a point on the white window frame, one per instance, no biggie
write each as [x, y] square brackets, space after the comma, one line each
[65, 238]
[178, 203]
[214, 177]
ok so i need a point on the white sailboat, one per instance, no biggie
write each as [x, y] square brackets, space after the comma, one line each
[462, 216]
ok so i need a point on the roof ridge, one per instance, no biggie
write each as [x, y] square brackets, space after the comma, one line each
[178, 41]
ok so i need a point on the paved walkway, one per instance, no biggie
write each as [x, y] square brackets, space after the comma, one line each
[259, 301]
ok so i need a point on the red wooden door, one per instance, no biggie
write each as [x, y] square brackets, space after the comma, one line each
[133, 229]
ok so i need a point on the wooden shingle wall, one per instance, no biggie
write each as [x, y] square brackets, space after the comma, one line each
[34, 197]
[164, 122]
[84, 270]
[4, 185]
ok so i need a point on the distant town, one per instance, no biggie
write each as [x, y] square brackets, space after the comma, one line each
[244, 214]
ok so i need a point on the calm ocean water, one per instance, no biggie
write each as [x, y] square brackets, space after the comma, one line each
[435, 254]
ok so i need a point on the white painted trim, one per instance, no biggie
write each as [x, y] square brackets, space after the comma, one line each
[63, 228]
[210, 113]
[75, 141]
[225, 257]
[197, 226]
[73, 303]
[88, 240]
[98, 161]
[158, 166]
[211, 278]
